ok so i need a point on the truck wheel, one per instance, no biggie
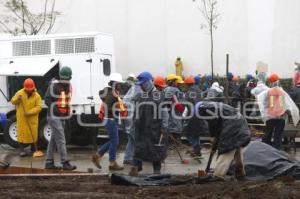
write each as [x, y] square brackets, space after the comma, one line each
[10, 132]
[45, 132]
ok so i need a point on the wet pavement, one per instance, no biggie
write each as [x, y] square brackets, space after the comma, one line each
[81, 157]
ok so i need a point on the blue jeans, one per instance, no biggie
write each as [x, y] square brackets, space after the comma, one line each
[156, 165]
[112, 144]
[128, 156]
[194, 140]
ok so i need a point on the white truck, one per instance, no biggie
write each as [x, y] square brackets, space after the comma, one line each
[91, 57]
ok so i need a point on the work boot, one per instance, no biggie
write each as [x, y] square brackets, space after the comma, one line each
[51, 166]
[197, 151]
[128, 162]
[157, 172]
[22, 150]
[115, 167]
[68, 167]
[134, 172]
[96, 160]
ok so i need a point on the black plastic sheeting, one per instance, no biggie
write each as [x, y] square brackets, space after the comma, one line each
[262, 162]
[150, 180]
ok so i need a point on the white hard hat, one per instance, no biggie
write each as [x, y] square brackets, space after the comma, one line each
[132, 75]
[116, 77]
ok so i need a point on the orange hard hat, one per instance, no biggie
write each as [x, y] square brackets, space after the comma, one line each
[273, 78]
[160, 81]
[29, 84]
[189, 80]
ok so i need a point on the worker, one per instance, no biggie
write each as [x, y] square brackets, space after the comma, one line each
[198, 81]
[215, 93]
[150, 138]
[160, 83]
[57, 98]
[179, 66]
[295, 92]
[112, 107]
[261, 84]
[130, 81]
[274, 105]
[129, 99]
[230, 132]
[251, 84]
[180, 84]
[234, 91]
[191, 129]
[207, 82]
[28, 106]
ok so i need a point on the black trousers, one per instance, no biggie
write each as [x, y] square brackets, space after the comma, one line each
[274, 127]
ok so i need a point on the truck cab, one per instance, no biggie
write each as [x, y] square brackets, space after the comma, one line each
[89, 55]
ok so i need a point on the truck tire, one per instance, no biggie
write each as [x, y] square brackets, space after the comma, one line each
[10, 132]
[45, 132]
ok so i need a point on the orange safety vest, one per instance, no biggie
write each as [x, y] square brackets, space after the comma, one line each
[276, 102]
[63, 101]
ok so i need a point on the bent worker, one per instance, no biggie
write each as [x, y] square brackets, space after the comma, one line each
[231, 133]
[274, 105]
[57, 98]
[113, 107]
[150, 138]
[28, 106]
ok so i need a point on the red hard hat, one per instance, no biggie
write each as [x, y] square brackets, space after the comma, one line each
[160, 81]
[273, 78]
[29, 84]
[189, 80]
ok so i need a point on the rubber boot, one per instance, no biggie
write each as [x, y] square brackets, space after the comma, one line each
[22, 150]
[68, 167]
[51, 166]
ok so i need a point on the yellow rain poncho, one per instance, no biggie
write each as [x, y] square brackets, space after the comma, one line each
[27, 126]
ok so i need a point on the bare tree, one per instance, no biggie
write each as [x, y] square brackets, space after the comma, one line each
[208, 9]
[19, 19]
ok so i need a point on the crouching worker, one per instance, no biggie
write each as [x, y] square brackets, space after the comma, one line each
[112, 107]
[57, 98]
[28, 105]
[230, 132]
[149, 139]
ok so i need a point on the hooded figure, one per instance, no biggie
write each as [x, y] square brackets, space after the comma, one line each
[215, 93]
[295, 92]
[231, 132]
[274, 104]
[261, 84]
[150, 126]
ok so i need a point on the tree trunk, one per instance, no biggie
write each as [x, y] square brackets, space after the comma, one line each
[212, 52]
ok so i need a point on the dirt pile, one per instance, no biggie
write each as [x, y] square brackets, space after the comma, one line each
[99, 187]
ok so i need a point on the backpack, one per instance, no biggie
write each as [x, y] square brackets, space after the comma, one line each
[276, 103]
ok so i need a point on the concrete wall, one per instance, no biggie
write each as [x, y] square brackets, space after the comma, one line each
[149, 35]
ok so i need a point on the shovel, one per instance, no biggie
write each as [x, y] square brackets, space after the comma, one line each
[37, 153]
[202, 173]
[160, 140]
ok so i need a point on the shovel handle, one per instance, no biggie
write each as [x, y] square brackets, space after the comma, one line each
[160, 139]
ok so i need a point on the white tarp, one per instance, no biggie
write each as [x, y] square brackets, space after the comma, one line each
[28, 67]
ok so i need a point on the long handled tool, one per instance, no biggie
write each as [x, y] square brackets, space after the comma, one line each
[176, 142]
[210, 160]
[160, 140]
[37, 153]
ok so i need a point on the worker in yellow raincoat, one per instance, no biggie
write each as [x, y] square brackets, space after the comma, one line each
[179, 67]
[28, 106]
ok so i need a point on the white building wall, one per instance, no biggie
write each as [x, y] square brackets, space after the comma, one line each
[149, 35]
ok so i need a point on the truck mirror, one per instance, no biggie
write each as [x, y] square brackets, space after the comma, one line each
[106, 67]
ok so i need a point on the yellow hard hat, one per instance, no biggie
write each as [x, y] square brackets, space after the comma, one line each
[171, 77]
[179, 80]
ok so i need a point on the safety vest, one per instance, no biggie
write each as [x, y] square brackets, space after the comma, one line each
[276, 106]
[63, 101]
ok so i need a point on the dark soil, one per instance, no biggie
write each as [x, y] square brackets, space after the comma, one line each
[99, 187]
